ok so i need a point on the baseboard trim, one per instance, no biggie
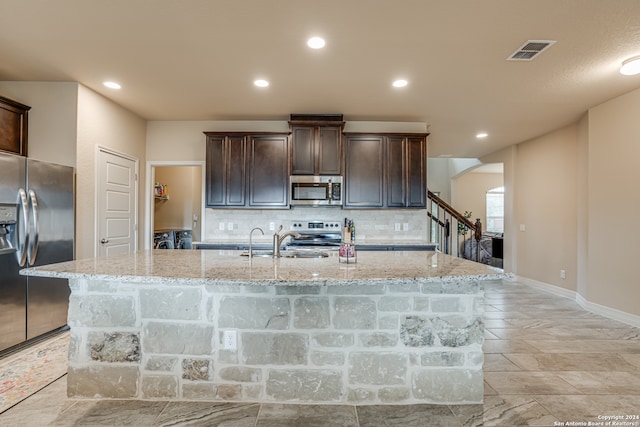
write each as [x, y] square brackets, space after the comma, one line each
[611, 313]
[556, 290]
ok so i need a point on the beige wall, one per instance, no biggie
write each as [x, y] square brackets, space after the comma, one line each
[571, 189]
[67, 122]
[541, 181]
[102, 123]
[439, 178]
[52, 118]
[185, 197]
[197, 202]
[546, 205]
[185, 141]
[468, 193]
[614, 204]
[582, 220]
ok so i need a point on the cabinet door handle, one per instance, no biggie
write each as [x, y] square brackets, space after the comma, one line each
[104, 241]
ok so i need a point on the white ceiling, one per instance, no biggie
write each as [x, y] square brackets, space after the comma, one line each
[197, 59]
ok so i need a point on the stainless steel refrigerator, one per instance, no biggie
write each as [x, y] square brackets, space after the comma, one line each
[37, 223]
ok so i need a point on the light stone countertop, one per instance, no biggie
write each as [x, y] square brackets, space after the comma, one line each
[223, 267]
[267, 240]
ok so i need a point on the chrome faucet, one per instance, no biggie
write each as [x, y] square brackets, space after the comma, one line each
[250, 240]
[278, 239]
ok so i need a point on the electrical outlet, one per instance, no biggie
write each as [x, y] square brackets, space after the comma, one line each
[230, 226]
[405, 226]
[563, 274]
[221, 226]
[272, 226]
[230, 340]
[522, 227]
[397, 226]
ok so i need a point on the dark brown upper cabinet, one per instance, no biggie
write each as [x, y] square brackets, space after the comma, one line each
[385, 170]
[364, 171]
[406, 171]
[316, 144]
[226, 160]
[14, 126]
[269, 171]
[247, 170]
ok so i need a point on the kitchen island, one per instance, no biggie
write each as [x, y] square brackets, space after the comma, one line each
[395, 327]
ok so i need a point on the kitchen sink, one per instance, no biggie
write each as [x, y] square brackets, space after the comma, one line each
[289, 254]
[304, 254]
[259, 254]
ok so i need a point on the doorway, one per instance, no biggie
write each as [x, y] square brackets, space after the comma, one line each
[175, 198]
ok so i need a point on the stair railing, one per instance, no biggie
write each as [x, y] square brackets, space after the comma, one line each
[451, 230]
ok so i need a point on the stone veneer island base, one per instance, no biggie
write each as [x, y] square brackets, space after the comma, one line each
[403, 327]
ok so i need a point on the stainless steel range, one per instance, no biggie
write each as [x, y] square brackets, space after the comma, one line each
[316, 234]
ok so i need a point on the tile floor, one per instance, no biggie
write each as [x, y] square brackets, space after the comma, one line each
[547, 363]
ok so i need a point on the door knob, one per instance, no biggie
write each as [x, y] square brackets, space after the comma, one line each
[104, 241]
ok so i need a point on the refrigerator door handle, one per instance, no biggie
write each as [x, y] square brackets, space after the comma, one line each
[22, 228]
[35, 234]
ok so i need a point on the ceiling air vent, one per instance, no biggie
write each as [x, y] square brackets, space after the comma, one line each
[530, 50]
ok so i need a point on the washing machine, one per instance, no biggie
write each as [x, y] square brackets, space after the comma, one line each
[183, 239]
[164, 240]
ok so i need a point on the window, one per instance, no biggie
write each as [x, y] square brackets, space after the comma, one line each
[495, 210]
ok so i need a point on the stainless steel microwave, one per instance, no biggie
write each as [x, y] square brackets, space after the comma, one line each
[316, 190]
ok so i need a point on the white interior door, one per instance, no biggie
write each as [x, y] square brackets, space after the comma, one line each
[117, 208]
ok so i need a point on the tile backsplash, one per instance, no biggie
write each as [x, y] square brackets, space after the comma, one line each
[372, 225]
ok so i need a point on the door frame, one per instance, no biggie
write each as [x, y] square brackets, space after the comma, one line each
[136, 189]
[149, 199]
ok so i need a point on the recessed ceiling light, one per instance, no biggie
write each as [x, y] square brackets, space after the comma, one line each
[400, 83]
[316, 43]
[631, 66]
[261, 83]
[112, 85]
[481, 135]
